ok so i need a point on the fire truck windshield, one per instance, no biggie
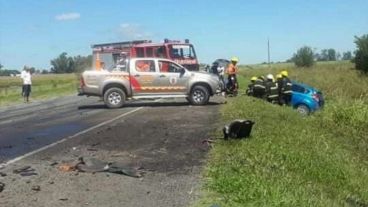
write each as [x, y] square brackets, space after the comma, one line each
[182, 51]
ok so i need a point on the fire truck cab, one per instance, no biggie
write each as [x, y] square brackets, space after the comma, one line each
[182, 53]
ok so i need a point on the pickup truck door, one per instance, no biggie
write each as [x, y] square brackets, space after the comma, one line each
[144, 77]
[172, 77]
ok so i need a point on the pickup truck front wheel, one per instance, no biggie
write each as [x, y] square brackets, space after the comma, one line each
[199, 95]
[114, 98]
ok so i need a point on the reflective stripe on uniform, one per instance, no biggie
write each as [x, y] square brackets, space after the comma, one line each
[259, 86]
[273, 96]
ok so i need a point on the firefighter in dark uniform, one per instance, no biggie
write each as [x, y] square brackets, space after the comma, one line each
[286, 91]
[272, 93]
[279, 84]
[250, 88]
[259, 89]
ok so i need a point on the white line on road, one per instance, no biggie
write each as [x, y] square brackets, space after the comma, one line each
[67, 138]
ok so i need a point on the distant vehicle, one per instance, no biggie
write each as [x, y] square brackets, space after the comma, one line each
[306, 99]
[180, 52]
[153, 78]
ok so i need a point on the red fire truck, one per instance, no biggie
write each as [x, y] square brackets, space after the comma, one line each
[182, 53]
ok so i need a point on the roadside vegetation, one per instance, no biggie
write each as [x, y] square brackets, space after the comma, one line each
[43, 87]
[290, 160]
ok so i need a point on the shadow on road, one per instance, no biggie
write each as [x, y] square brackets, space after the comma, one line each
[142, 104]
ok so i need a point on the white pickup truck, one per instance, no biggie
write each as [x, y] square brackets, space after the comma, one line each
[153, 78]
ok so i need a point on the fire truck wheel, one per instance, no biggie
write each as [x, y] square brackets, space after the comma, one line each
[114, 98]
[199, 95]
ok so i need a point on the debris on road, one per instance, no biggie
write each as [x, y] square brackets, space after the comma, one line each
[36, 188]
[93, 165]
[238, 129]
[25, 174]
[21, 169]
[53, 164]
[6, 147]
[25, 171]
[66, 167]
[2, 186]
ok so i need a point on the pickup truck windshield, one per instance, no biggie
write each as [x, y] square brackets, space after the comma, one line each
[182, 51]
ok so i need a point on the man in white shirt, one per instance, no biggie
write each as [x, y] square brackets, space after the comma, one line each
[27, 82]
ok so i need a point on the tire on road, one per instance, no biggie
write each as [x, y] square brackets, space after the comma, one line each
[199, 95]
[114, 98]
[303, 109]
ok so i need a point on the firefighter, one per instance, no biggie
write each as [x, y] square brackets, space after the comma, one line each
[272, 93]
[250, 88]
[142, 66]
[259, 89]
[279, 84]
[231, 72]
[121, 63]
[286, 85]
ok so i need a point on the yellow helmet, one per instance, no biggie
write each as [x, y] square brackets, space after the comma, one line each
[254, 78]
[278, 76]
[284, 73]
[234, 59]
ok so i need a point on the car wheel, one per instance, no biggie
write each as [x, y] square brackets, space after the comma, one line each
[303, 110]
[114, 98]
[199, 95]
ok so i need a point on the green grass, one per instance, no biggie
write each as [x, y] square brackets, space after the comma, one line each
[43, 87]
[290, 160]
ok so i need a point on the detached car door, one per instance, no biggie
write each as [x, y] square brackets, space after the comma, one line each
[173, 78]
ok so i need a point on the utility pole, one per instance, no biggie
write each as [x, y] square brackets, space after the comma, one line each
[268, 49]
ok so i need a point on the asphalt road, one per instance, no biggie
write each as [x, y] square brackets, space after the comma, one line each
[164, 139]
[27, 127]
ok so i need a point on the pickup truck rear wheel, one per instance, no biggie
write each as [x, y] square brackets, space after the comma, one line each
[199, 95]
[114, 98]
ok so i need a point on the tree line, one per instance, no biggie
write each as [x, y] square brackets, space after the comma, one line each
[65, 64]
[61, 64]
[306, 57]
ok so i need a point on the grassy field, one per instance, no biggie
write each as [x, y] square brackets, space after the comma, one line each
[290, 160]
[43, 87]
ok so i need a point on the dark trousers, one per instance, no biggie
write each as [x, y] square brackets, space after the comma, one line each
[285, 99]
[26, 90]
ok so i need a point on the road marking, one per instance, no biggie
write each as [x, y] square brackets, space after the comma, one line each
[67, 138]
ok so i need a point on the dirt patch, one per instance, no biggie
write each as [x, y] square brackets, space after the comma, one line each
[165, 140]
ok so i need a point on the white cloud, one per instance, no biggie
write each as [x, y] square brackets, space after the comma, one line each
[67, 16]
[133, 31]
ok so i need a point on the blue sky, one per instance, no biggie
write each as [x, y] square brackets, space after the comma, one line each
[34, 32]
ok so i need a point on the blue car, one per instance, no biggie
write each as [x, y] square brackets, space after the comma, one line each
[306, 99]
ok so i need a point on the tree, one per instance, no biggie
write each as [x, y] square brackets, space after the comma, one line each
[331, 54]
[62, 64]
[323, 55]
[65, 64]
[361, 54]
[1, 66]
[82, 63]
[347, 55]
[304, 57]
